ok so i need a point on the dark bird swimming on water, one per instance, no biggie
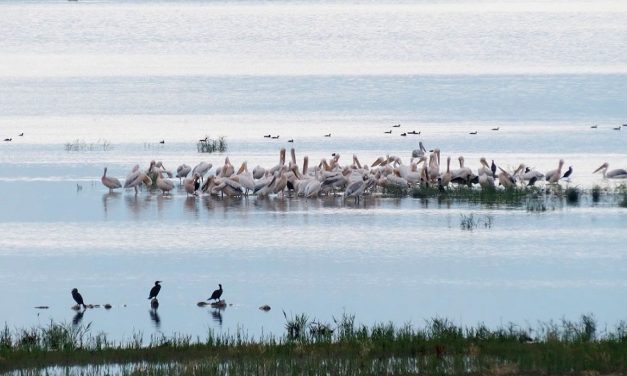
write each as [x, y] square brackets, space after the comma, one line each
[216, 294]
[78, 298]
[154, 291]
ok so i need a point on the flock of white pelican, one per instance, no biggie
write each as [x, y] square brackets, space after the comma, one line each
[330, 176]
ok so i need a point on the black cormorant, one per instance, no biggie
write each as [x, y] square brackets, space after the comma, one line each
[154, 291]
[532, 181]
[216, 294]
[78, 298]
[568, 172]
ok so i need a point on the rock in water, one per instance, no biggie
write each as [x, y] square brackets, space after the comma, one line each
[219, 304]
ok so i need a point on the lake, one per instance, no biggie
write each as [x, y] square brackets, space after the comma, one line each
[131, 74]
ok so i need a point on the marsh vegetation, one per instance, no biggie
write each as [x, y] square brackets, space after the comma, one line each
[341, 346]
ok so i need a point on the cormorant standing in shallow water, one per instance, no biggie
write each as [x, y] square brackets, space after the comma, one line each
[154, 291]
[216, 294]
[568, 172]
[78, 298]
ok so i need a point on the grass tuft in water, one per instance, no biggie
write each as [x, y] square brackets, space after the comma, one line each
[596, 193]
[470, 222]
[572, 195]
[211, 145]
[296, 326]
[622, 191]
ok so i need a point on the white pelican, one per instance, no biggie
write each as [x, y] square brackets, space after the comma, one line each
[527, 174]
[486, 181]
[245, 178]
[334, 180]
[165, 185]
[229, 186]
[281, 162]
[258, 172]
[191, 185]
[434, 165]
[462, 173]
[227, 170]
[357, 188]
[554, 176]
[132, 176]
[485, 168]
[280, 182]
[209, 184]
[420, 152]
[162, 167]
[201, 169]
[182, 171]
[506, 179]
[312, 188]
[263, 185]
[618, 173]
[136, 178]
[110, 182]
[447, 176]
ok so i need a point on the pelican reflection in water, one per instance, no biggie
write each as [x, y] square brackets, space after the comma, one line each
[108, 197]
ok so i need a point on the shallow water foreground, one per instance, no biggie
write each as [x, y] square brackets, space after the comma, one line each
[399, 260]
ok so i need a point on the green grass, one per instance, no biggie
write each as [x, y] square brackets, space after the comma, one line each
[212, 145]
[471, 222]
[342, 347]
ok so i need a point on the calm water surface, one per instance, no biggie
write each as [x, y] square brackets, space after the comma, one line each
[135, 73]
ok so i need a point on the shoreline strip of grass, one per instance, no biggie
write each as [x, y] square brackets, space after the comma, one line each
[310, 346]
